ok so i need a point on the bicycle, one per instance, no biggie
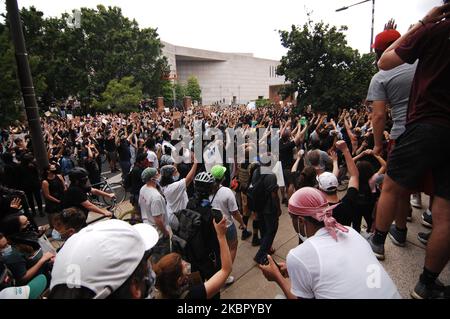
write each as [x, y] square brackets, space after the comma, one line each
[109, 188]
[117, 211]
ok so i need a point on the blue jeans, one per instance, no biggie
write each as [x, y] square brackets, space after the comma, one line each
[268, 226]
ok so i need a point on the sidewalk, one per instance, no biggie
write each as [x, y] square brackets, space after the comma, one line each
[404, 264]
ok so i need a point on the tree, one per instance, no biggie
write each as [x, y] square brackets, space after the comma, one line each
[81, 62]
[120, 96]
[193, 89]
[322, 68]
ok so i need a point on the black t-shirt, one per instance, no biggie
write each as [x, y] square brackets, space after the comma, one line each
[270, 185]
[345, 211]
[286, 157]
[110, 145]
[73, 197]
[124, 151]
[197, 292]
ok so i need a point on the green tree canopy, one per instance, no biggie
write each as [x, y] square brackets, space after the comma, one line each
[193, 89]
[82, 61]
[120, 96]
[322, 68]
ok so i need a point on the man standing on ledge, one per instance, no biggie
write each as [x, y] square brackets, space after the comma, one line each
[424, 146]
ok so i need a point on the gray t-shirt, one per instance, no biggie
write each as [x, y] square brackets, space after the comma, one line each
[152, 204]
[394, 87]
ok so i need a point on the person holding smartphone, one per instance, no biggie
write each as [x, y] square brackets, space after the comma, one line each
[173, 273]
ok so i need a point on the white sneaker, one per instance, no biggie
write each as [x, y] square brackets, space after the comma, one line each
[229, 280]
[416, 200]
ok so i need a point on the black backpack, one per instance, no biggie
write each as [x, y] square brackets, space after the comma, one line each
[256, 194]
[197, 230]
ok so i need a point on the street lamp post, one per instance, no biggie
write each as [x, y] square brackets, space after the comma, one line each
[26, 84]
[373, 17]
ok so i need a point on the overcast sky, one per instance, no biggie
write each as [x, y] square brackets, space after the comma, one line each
[248, 25]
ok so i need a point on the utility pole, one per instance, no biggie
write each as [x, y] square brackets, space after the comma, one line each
[26, 84]
[373, 17]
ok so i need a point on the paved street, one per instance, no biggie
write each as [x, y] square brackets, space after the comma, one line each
[404, 265]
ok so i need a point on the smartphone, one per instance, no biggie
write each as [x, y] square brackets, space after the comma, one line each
[217, 214]
[265, 261]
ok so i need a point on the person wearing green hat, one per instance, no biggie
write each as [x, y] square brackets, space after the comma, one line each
[223, 199]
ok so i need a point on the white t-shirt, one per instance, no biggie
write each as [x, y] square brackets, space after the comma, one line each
[176, 197]
[225, 202]
[323, 268]
[152, 204]
[151, 157]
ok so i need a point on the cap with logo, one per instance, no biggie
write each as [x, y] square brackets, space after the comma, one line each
[32, 290]
[327, 182]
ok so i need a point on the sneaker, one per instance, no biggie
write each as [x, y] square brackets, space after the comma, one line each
[422, 291]
[256, 241]
[245, 234]
[229, 280]
[427, 219]
[423, 237]
[377, 249]
[416, 200]
[397, 237]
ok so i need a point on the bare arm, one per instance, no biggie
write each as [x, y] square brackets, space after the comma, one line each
[46, 193]
[93, 208]
[190, 176]
[213, 285]
[378, 123]
[297, 162]
[390, 59]
[160, 224]
[33, 271]
[382, 162]
[352, 169]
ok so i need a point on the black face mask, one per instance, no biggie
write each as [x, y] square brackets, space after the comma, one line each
[85, 185]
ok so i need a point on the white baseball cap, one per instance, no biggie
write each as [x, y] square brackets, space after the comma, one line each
[32, 290]
[102, 256]
[327, 182]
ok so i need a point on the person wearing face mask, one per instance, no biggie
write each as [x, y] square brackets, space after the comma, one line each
[153, 204]
[125, 274]
[53, 188]
[173, 277]
[324, 265]
[24, 262]
[76, 194]
[67, 223]
[174, 189]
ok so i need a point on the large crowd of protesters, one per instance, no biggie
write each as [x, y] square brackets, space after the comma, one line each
[342, 176]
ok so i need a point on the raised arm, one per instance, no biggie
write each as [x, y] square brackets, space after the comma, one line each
[217, 281]
[351, 167]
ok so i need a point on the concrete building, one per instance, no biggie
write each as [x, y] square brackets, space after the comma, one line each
[225, 77]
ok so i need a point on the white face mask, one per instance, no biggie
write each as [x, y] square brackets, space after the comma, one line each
[303, 238]
[56, 235]
[176, 178]
[7, 250]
